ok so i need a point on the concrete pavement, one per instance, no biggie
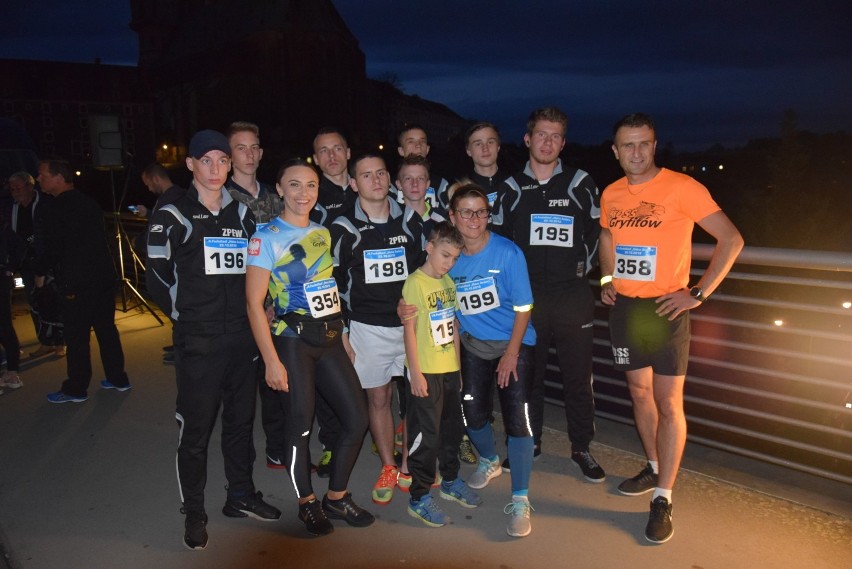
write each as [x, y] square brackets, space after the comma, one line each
[93, 485]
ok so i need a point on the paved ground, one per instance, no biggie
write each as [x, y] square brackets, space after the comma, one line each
[93, 486]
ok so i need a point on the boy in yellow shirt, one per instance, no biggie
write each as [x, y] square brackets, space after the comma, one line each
[433, 412]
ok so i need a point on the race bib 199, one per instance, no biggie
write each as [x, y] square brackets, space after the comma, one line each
[322, 297]
[552, 229]
[635, 263]
[225, 255]
[385, 265]
[442, 323]
[477, 296]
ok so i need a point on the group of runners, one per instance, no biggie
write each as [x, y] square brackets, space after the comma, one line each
[361, 279]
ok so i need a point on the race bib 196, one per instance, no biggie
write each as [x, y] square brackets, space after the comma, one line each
[442, 323]
[635, 263]
[322, 297]
[552, 229]
[477, 296]
[385, 265]
[225, 255]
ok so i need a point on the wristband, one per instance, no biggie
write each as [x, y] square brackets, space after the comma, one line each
[606, 279]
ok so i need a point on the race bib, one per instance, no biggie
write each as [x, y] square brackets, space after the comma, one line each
[635, 263]
[552, 229]
[322, 297]
[477, 296]
[225, 255]
[385, 265]
[442, 323]
[431, 198]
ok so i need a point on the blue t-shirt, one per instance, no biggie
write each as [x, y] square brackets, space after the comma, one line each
[300, 262]
[490, 287]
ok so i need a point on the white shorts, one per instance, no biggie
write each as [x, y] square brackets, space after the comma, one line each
[379, 353]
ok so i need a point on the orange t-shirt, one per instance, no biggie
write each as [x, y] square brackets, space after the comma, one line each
[651, 226]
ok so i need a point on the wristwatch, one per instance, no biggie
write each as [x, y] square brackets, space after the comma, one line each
[698, 294]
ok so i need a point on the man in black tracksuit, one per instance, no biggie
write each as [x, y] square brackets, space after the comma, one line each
[552, 214]
[72, 243]
[196, 273]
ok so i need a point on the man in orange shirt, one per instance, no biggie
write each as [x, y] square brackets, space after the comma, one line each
[647, 219]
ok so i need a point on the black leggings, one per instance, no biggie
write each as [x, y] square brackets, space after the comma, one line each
[478, 383]
[326, 370]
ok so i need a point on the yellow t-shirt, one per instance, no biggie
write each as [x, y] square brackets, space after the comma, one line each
[651, 226]
[436, 305]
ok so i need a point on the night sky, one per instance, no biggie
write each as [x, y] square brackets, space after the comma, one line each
[710, 72]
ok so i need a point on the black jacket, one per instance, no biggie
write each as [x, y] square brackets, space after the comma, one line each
[71, 240]
[177, 274]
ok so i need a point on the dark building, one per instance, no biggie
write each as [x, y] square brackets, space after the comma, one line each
[291, 66]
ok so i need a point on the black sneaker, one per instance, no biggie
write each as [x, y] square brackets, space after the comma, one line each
[640, 484]
[313, 515]
[536, 456]
[592, 471]
[251, 505]
[659, 528]
[195, 536]
[346, 509]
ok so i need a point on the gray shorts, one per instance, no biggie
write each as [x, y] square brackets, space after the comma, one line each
[379, 353]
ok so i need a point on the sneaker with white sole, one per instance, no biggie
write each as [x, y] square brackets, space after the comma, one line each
[107, 384]
[251, 505]
[458, 491]
[59, 397]
[640, 484]
[659, 528]
[427, 511]
[195, 532]
[592, 471]
[11, 380]
[486, 470]
[519, 524]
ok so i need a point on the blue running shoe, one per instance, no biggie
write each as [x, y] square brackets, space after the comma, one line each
[459, 492]
[427, 511]
[107, 384]
[59, 397]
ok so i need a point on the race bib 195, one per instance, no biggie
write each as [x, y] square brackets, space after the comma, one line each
[552, 229]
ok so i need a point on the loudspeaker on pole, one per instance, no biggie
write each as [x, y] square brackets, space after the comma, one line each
[107, 149]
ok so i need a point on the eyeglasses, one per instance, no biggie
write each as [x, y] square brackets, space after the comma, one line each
[469, 213]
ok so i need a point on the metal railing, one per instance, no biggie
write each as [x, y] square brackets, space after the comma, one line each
[770, 367]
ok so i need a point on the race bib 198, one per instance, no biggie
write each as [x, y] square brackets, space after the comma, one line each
[477, 296]
[385, 265]
[225, 255]
[635, 263]
[322, 297]
[442, 323]
[552, 229]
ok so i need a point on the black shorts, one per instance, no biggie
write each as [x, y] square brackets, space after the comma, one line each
[640, 338]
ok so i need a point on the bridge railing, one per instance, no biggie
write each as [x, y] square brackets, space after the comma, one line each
[770, 368]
